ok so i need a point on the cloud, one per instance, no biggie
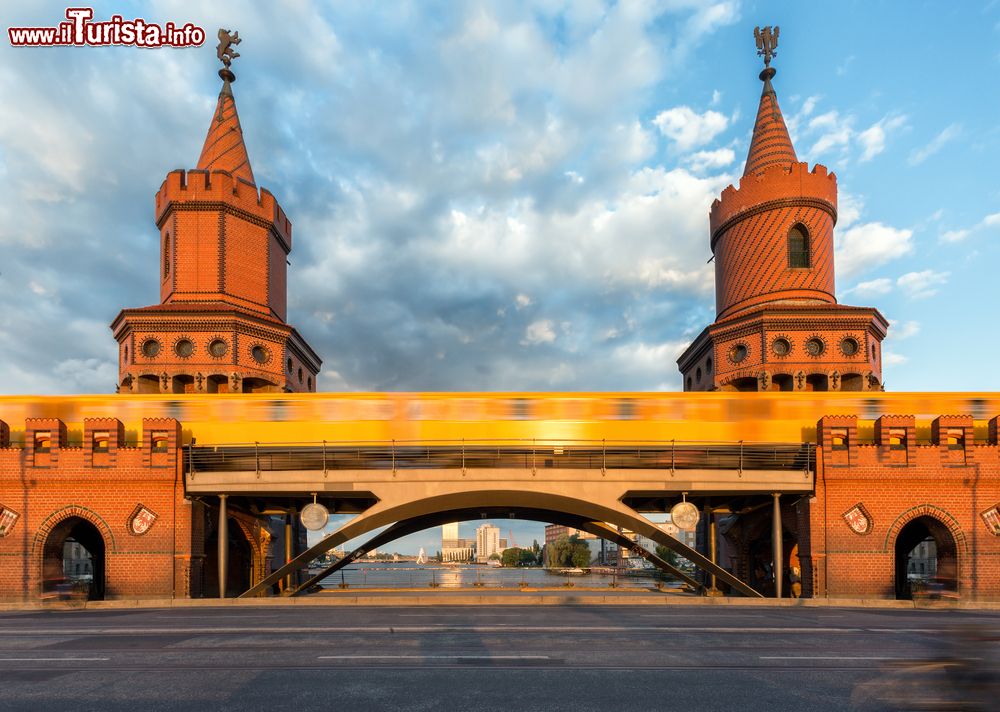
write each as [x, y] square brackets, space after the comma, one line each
[891, 358]
[539, 332]
[689, 129]
[954, 235]
[882, 285]
[903, 330]
[873, 138]
[923, 284]
[991, 220]
[701, 161]
[835, 132]
[863, 247]
[949, 133]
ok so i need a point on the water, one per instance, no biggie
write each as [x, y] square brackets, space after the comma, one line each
[387, 574]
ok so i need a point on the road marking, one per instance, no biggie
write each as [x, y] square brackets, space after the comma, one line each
[824, 657]
[441, 628]
[433, 657]
[47, 660]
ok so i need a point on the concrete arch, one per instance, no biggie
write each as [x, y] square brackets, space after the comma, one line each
[925, 510]
[508, 500]
[73, 510]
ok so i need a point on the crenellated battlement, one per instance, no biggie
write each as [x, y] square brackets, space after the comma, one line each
[775, 183]
[193, 187]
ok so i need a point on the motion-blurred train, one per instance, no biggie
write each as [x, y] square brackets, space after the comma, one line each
[473, 417]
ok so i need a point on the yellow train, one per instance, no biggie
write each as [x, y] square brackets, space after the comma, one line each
[482, 417]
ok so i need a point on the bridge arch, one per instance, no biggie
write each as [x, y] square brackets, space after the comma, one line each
[517, 503]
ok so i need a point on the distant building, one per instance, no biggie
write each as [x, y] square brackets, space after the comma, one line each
[487, 542]
[453, 547]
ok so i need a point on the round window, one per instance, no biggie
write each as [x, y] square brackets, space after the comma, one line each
[697, 376]
[814, 347]
[310, 383]
[739, 353]
[218, 348]
[849, 346]
[289, 365]
[184, 348]
[708, 365]
[781, 347]
[300, 375]
[150, 348]
[259, 354]
[689, 383]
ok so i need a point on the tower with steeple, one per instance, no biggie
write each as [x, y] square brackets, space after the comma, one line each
[778, 325]
[221, 324]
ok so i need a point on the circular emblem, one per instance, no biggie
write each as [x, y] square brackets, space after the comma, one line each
[738, 353]
[685, 516]
[314, 516]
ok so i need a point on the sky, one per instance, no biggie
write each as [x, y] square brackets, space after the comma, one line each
[506, 195]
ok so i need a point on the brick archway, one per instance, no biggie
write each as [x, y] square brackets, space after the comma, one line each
[73, 510]
[925, 510]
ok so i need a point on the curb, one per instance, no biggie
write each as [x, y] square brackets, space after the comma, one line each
[556, 597]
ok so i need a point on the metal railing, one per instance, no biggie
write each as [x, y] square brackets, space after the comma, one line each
[501, 454]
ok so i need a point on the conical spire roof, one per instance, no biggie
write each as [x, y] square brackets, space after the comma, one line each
[771, 144]
[224, 148]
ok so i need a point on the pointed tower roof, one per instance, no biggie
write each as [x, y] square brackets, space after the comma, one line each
[771, 144]
[224, 148]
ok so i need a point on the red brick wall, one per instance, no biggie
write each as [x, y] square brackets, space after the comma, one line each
[895, 486]
[74, 483]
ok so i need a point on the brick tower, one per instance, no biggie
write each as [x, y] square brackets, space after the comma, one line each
[220, 324]
[778, 325]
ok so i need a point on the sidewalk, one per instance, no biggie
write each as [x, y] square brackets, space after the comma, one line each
[509, 597]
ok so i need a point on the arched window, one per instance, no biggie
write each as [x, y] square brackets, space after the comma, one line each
[166, 256]
[798, 247]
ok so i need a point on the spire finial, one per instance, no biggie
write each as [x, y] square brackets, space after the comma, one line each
[226, 53]
[767, 42]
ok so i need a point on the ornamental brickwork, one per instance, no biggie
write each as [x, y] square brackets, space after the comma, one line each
[778, 326]
[220, 325]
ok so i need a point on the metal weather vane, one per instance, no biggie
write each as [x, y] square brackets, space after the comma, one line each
[767, 42]
[226, 52]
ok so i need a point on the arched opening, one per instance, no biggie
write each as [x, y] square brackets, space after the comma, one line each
[182, 384]
[798, 247]
[73, 561]
[742, 384]
[851, 382]
[817, 382]
[782, 382]
[926, 559]
[239, 569]
[148, 384]
[259, 385]
[217, 384]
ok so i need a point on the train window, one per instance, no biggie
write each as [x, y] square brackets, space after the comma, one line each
[897, 438]
[520, 409]
[838, 438]
[956, 439]
[626, 409]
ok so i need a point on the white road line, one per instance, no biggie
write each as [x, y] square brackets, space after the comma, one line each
[433, 657]
[824, 657]
[438, 628]
[48, 660]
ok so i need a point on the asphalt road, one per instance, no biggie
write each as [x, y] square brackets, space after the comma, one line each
[520, 658]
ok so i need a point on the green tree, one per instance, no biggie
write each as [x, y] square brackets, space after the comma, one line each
[569, 551]
[667, 554]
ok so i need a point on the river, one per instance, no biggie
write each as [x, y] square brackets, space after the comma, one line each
[388, 574]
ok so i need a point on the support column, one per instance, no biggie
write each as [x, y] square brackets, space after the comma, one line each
[712, 548]
[289, 584]
[776, 544]
[223, 544]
